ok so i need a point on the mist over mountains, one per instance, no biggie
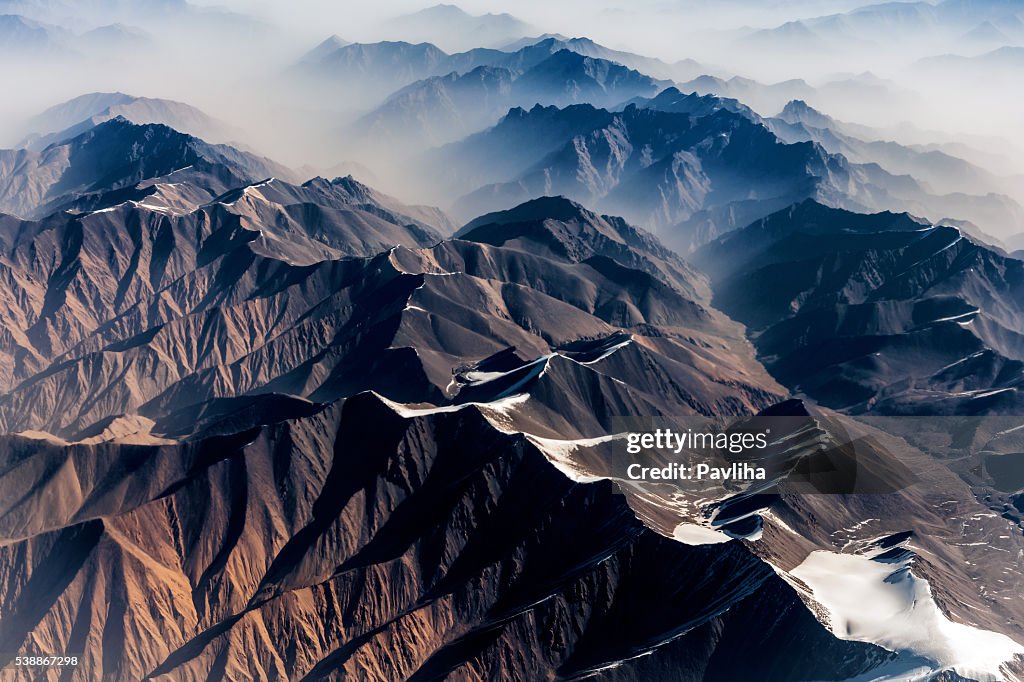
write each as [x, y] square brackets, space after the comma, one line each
[323, 333]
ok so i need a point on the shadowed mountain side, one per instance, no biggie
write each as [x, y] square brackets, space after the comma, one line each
[277, 547]
[317, 544]
[876, 313]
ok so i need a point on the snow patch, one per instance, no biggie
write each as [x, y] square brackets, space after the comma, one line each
[871, 601]
[695, 534]
[961, 316]
[962, 360]
[502, 405]
[559, 453]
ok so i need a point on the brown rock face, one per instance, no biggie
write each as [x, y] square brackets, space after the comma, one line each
[291, 434]
[355, 543]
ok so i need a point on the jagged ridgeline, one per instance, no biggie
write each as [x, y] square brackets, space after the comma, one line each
[259, 423]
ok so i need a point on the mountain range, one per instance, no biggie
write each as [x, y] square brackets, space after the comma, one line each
[68, 119]
[874, 24]
[442, 420]
[850, 92]
[22, 36]
[686, 166]
[379, 69]
[306, 375]
[455, 29]
[443, 109]
[939, 171]
[113, 19]
[934, 333]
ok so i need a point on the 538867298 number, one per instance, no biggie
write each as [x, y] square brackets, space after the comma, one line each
[45, 661]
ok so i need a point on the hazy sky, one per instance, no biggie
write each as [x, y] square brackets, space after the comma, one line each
[240, 73]
[655, 27]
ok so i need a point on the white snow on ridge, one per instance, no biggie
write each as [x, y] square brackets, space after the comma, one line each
[695, 534]
[482, 377]
[885, 604]
[250, 190]
[559, 452]
[410, 411]
[137, 204]
[108, 209]
[962, 360]
[969, 313]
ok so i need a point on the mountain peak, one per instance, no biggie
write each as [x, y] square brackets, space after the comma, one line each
[799, 111]
[445, 10]
[71, 118]
[673, 100]
[555, 226]
[118, 153]
[353, 187]
[332, 43]
[542, 208]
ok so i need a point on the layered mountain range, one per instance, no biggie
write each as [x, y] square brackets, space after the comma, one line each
[686, 166]
[379, 69]
[245, 414]
[22, 36]
[443, 108]
[259, 422]
[939, 170]
[606, 157]
[65, 32]
[454, 28]
[69, 119]
[961, 20]
[898, 315]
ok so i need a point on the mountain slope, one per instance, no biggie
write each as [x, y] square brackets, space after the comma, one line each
[888, 315]
[390, 467]
[371, 69]
[118, 154]
[488, 590]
